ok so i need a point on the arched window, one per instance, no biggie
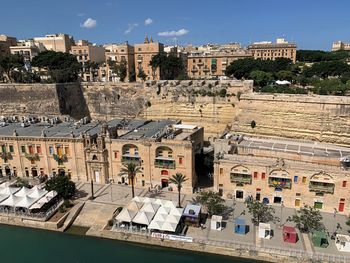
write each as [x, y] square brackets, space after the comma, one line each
[164, 151]
[164, 172]
[94, 158]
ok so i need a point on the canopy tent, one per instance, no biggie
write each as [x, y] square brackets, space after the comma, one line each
[216, 222]
[25, 202]
[176, 211]
[51, 194]
[143, 218]
[135, 206]
[149, 200]
[168, 226]
[169, 203]
[240, 226]
[138, 199]
[290, 234]
[126, 215]
[150, 207]
[342, 242]
[5, 184]
[163, 210]
[265, 231]
[160, 217]
[161, 202]
[23, 192]
[3, 197]
[8, 190]
[11, 200]
[191, 214]
[155, 225]
[173, 219]
[319, 239]
[37, 192]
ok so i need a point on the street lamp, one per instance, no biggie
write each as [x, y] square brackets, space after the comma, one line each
[92, 190]
[234, 206]
[282, 212]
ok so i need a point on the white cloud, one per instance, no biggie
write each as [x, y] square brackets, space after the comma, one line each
[148, 21]
[89, 23]
[173, 33]
[130, 28]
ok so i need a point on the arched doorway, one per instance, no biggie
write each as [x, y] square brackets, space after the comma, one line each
[165, 183]
[7, 171]
[34, 172]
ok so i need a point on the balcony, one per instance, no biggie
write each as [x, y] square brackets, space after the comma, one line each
[194, 70]
[320, 187]
[206, 69]
[241, 178]
[280, 183]
[164, 162]
[128, 158]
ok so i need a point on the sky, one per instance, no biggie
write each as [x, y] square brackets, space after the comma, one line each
[312, 24]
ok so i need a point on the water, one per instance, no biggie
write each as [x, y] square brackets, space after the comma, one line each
[39, 246]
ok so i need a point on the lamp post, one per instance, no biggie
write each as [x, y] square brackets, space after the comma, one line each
[92, 190]
[282, 213]
[234, 206]
[336, 225]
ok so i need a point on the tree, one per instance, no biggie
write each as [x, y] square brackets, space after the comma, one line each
[64, 187]
[261, 78]
[178, 179]
[170, 66]
[285, 75]
[307, 219]
[131, 169]
[327, 69]
[141, 75]
[9, 64]
[61, 67]
[223, 93]
[212, 202]
[120, 69]
[319, 55]
[21, 182]
[261, 212]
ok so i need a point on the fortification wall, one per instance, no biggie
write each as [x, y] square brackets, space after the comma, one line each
[320, 118]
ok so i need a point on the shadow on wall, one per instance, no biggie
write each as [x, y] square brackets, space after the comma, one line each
[71, 100]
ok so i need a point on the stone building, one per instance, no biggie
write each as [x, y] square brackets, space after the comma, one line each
[213, 63]
[288, 173]
[340, 45]
[118, 53]
[6, 42]
[97, 151]
[267, 50]
[56, 42]
[27, 48]
[143, 56]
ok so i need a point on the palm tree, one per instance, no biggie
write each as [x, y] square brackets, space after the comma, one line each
[131, 169]
[178, 180]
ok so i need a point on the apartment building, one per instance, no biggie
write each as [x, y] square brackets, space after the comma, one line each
[283, 172]
[143, 56]
[340, 45]
[97, 151]
[6, 42]
[56, 42]
[212, 64]
[118, 53]
[266, 50]
[27, 48]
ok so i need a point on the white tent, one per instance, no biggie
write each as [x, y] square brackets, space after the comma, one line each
[143, 218]
[163, 210]
[44, 200]
[168, 226]
[160, 202]
[156, 225]
[160, 217]
[173, 219]
[149, 200]
[265, 231]
[8, 190]
[3, 197]
[25, 202]
[37, 192]
[126, 215]
[176, 211]
[169, 204]
[51, 195]
[138, 199]
[11, 200]
[23, 192]
[150, 207]
[4, 184]
[135, 206]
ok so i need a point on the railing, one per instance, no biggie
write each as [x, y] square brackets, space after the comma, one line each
[241, 179]
[327, 188]
[135, 160]
[280, 182]
[164, 164]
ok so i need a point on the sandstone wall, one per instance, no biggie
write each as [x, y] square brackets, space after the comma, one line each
[42, 100]
[320, 118]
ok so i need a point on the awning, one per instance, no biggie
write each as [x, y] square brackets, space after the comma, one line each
[25, 202]
[24, 192]
[126, 215]
[11, 200]
[143, 218]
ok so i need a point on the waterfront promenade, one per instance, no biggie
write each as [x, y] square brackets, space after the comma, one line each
[109, 198]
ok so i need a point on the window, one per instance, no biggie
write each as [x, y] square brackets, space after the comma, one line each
[23, 149]
[318, 205]
[66, 150]
[296, 179]
[51, 150]
[31, 149]
[143, 182]
[263, 175]
[115, 155]
[11, 149]
[59, 150]
[221, 170]
[304, 180]
[180, 160]
[3, 148]
[170, 154]
[38, 149]
[344, 183]
[255, 175]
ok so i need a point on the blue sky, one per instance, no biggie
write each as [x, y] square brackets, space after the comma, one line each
[313, 24]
